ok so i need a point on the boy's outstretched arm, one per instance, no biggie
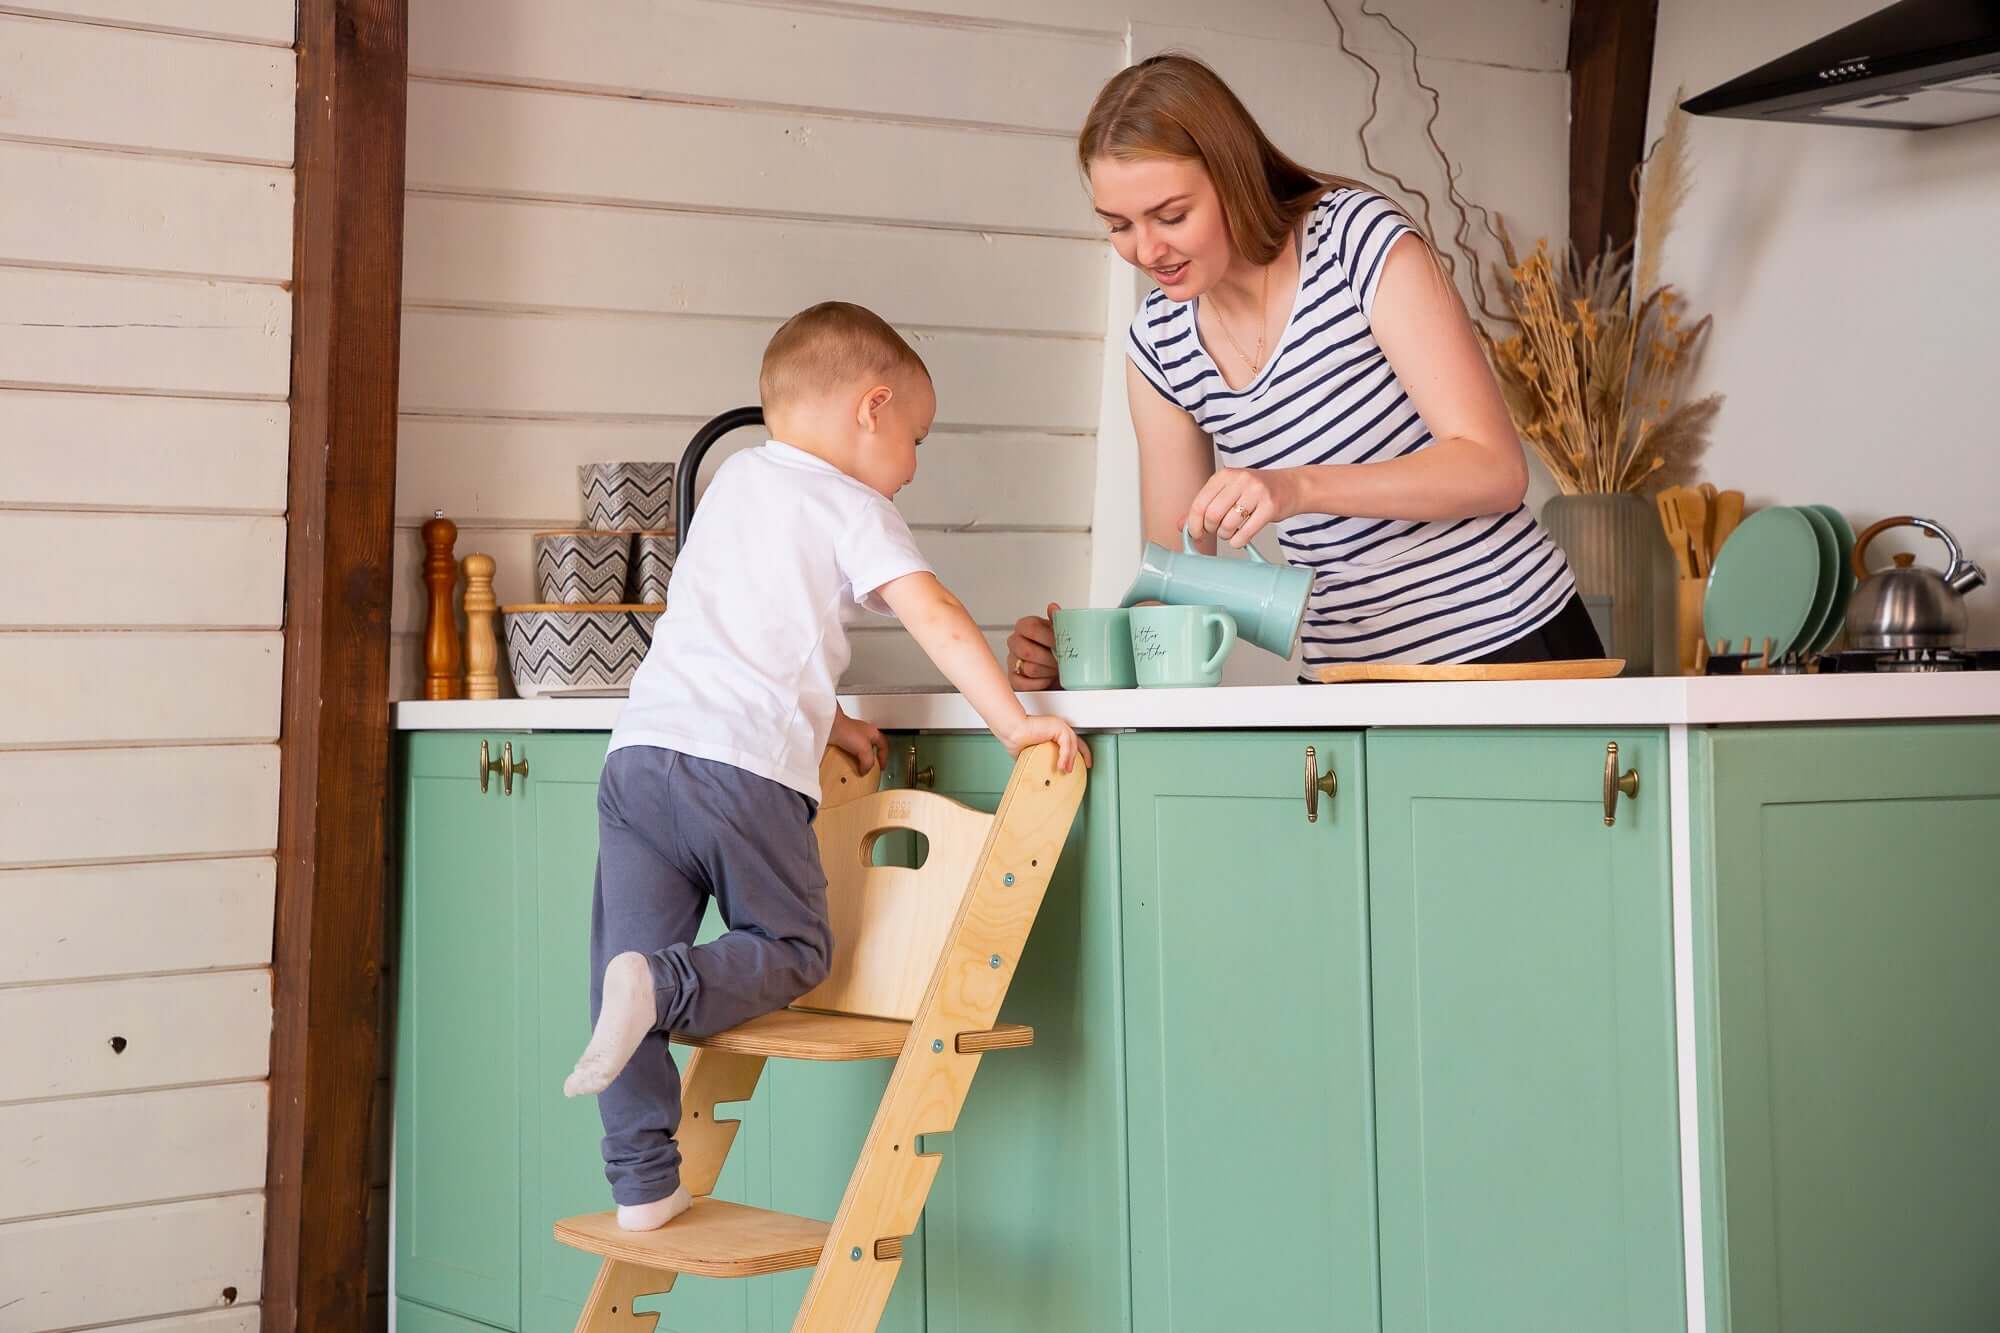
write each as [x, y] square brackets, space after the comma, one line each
[941, 626]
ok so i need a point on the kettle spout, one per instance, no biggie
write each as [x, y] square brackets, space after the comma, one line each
[1965, 576]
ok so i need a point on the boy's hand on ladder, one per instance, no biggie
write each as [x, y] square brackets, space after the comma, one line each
[1032, 730]
[862, 740]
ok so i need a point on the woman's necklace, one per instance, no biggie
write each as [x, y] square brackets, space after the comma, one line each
[1256, 363]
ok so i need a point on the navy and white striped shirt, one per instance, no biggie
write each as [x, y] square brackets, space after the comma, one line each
[1383, 589]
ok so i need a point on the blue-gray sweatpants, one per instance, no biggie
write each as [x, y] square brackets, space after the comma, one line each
[671, 831]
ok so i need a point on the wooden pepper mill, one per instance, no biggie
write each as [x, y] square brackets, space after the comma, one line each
[441, 649]
[482, 646]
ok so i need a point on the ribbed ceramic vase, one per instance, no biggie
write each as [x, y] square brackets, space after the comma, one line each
[1624, 573]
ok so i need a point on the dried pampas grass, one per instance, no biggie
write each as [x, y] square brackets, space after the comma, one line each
[1596, 375]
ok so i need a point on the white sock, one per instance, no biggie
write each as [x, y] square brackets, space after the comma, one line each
[653, 1216]
[626, 1016]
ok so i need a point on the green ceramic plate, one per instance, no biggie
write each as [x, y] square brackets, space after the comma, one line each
[1836, 616]
[1764, 581]
[1829, 580]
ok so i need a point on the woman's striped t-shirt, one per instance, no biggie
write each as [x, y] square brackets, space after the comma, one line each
[1383, 589]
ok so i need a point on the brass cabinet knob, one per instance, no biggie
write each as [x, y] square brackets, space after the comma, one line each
[925, 777]
[1316, 782]
[1616, 782]
[488, 766]
[509, 767]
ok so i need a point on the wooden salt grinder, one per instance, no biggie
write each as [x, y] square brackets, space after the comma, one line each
[441, 648]
[482, 648]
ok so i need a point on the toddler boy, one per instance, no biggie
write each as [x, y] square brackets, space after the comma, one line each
[713, 776]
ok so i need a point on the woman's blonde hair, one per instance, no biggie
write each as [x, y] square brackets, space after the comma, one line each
[1173, 105]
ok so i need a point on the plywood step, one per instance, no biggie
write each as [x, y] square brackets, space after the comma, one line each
[713, 1239]
[802, 1034]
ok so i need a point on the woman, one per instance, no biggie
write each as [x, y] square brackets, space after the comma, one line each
[1303, 330]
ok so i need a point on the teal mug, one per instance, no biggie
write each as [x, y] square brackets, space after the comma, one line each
[1180, 646]
[1267, 601]
[1094, 649]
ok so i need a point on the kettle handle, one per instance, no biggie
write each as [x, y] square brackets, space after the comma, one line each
[1953, 555]
[1187, 548]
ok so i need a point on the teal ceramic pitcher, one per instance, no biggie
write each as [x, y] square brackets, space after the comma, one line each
[1266, 600]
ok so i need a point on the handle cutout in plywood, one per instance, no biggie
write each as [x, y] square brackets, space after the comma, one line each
[904, 848]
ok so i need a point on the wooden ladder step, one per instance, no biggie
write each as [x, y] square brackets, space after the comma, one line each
[802, 1034]
[714, 1238]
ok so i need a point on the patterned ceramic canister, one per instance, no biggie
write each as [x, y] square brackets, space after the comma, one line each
[582, 567]
[631, 497]
[652, 566]
[551, 649]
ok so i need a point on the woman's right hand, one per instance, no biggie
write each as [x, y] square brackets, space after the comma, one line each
[1031, 653]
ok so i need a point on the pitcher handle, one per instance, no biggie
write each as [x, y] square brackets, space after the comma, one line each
[1187, 548]
[1227, 624]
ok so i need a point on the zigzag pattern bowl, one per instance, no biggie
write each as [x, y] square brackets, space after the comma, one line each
[582, 568]
[627, 496]
[553, 647]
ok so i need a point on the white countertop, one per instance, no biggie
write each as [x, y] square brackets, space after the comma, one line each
[1662, 701]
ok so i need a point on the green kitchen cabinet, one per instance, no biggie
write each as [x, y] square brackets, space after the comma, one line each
[562, 1168]
[1248, 1063]
[1526, 1135]
[1025, 1228]
[458, 1205]
[1847, 893]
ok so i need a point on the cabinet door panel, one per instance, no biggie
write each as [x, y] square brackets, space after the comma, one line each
[564, 1169]
[457, 1141]
[1851, 877]
[1246, 1001]
[1025, 1228]
[1524, 1052]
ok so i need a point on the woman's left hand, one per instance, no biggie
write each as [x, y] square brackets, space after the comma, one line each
[1237, 502]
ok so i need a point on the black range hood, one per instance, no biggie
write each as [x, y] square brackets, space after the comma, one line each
[1916, 65]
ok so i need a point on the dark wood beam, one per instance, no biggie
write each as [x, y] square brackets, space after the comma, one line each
[334, 735]
[1610, 79]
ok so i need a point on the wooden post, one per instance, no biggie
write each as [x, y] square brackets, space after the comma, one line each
[347, 263]
[1610, 79]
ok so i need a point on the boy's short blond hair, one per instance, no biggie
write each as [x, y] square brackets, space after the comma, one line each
[830, 346]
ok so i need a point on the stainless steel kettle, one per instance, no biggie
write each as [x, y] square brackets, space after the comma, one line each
[1909, 606]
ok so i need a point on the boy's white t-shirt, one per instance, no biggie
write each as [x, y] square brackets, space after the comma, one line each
[746, 656]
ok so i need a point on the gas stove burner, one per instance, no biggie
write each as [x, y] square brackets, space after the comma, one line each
[1914, 661]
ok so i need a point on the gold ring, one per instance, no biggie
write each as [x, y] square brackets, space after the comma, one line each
[1242, 511]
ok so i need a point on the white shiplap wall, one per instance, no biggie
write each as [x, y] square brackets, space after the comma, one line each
[145, 333]
[611, 207]
[610, 210]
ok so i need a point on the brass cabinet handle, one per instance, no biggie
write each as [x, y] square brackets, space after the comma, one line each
[925, 777]
[1615, 782]
[508, 768]
[1316, 783]
[488, 765]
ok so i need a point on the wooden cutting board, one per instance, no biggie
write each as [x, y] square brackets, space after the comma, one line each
[1591, 668]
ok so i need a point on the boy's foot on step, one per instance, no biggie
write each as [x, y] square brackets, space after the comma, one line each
[653, 1216]
[627, 1015]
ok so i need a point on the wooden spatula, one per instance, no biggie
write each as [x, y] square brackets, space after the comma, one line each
[1728, 513]
[1694, 521]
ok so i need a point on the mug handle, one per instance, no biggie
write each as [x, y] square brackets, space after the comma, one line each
[1227, 624]
[1187, 548]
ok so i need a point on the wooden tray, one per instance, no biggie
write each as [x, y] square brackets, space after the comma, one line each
[1591, 668]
